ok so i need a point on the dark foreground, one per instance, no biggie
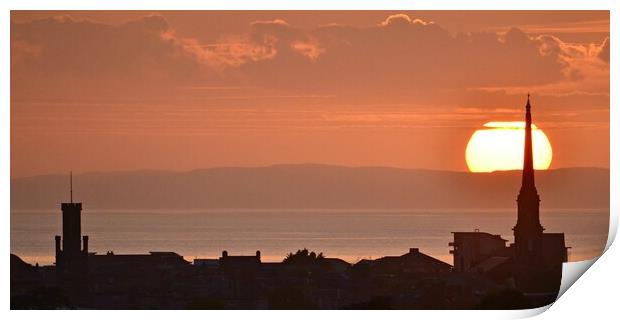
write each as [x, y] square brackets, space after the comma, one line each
[304, 280]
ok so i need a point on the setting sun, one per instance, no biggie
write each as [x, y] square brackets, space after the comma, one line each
[499, 146]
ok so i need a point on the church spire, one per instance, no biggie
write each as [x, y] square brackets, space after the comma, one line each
[528, 231]
[527, 181]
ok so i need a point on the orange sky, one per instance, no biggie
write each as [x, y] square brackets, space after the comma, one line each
[100, 91]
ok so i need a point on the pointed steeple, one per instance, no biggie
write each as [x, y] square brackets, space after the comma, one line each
[528, 231]
[527, 181]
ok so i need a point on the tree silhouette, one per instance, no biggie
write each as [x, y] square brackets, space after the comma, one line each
[303, 256]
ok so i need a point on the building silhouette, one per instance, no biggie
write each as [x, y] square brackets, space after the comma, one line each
[528, 231]
[533, 263]
[72, 250]
[538, 255]
[473, 248]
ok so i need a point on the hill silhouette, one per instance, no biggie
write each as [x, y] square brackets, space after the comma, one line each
[310, 186]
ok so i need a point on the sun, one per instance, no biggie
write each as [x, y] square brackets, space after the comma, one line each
[499, 146]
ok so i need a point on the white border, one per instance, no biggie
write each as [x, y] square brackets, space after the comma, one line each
[584, 300]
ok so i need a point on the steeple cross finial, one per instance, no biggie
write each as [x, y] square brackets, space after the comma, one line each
[527, 105]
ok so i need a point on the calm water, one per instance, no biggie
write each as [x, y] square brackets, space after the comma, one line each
[350, 235]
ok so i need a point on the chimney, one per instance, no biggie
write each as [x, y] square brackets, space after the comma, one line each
[258, 254]
[85, 243]
[414, 250]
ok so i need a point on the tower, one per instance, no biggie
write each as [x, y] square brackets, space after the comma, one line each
[528, 231]
[72, 249]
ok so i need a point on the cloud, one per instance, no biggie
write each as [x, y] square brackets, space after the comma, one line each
[565, 27]
[399, 59]
[585, 70]
[81, 47]
[400, 55]
[55, 54]
[263, 42]
[403, 20]
[604, 51]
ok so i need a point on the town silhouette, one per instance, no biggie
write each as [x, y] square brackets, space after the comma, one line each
[487, 272]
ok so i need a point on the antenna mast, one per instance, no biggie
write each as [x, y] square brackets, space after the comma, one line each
[71, 185]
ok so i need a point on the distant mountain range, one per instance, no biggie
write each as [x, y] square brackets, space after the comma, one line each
[309, 186]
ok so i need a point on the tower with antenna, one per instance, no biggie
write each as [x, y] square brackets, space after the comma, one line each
[72, 247]
[71, 186]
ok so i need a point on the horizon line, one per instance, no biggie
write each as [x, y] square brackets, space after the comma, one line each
[296, 164]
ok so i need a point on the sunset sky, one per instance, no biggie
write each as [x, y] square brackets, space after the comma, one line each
[102, 91]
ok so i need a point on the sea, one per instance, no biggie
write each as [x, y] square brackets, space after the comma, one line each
[351, 235]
